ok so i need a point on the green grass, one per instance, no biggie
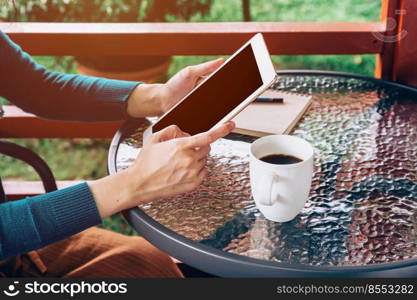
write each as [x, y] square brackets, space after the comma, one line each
[86, 159]
[68, 159]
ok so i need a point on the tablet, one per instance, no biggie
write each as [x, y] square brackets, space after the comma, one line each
[224, 93]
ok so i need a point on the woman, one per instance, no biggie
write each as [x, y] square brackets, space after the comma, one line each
[44, 235]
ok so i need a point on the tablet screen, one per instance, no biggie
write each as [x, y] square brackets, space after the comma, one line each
[217, 96]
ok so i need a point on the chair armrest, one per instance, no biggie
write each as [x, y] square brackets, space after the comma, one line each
[32, 159]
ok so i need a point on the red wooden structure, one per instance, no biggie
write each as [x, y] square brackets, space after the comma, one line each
[393, 39]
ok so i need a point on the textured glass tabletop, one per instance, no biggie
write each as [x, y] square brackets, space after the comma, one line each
[362, 208]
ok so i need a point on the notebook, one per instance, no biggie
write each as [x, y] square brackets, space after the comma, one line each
[259, 119]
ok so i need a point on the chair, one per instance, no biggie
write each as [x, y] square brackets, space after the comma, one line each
[32, 159]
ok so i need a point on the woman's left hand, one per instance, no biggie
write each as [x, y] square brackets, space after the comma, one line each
[155, 99]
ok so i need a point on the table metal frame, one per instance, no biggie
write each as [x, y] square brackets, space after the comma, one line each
[224, 264]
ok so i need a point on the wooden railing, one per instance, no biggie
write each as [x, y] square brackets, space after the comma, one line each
[393, 39]
[193, 38]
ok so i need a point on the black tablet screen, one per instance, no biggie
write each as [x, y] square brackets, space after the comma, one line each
[217, 96]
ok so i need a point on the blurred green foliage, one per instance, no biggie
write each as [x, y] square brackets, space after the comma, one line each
[298, 11]
[102, 10]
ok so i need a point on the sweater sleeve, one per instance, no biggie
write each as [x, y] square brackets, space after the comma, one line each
[59, 96]
[35, 222]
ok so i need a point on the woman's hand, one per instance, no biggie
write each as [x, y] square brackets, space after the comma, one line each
[170, 163]
[155, 99]
[184, 81]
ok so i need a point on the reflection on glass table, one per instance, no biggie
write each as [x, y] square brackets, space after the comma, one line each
[362, 209]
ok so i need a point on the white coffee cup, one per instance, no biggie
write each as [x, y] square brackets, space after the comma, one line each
[281, 191]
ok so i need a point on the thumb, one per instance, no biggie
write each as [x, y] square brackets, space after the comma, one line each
[207, 67]
[168, 133]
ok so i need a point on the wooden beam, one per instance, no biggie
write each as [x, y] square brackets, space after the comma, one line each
[20, 189]
[405, 62]
[193, 38]
[390, 16]
[18, 124]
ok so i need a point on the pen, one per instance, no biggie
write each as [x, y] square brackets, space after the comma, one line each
[259, 99]
[269, 100]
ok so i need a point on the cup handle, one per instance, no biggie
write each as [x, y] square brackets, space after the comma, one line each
[272, 196]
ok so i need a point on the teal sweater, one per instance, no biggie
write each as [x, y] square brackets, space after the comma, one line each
[35, 222]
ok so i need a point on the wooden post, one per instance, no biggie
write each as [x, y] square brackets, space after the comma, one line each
[385, 60]
[405, 56]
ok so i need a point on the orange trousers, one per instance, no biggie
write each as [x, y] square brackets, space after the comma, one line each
[94, 252]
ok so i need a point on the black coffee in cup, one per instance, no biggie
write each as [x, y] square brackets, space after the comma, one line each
[280, 159]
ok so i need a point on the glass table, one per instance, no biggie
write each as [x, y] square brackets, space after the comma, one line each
[361, 216]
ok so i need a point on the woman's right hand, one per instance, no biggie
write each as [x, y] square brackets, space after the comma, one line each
[171, 162]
